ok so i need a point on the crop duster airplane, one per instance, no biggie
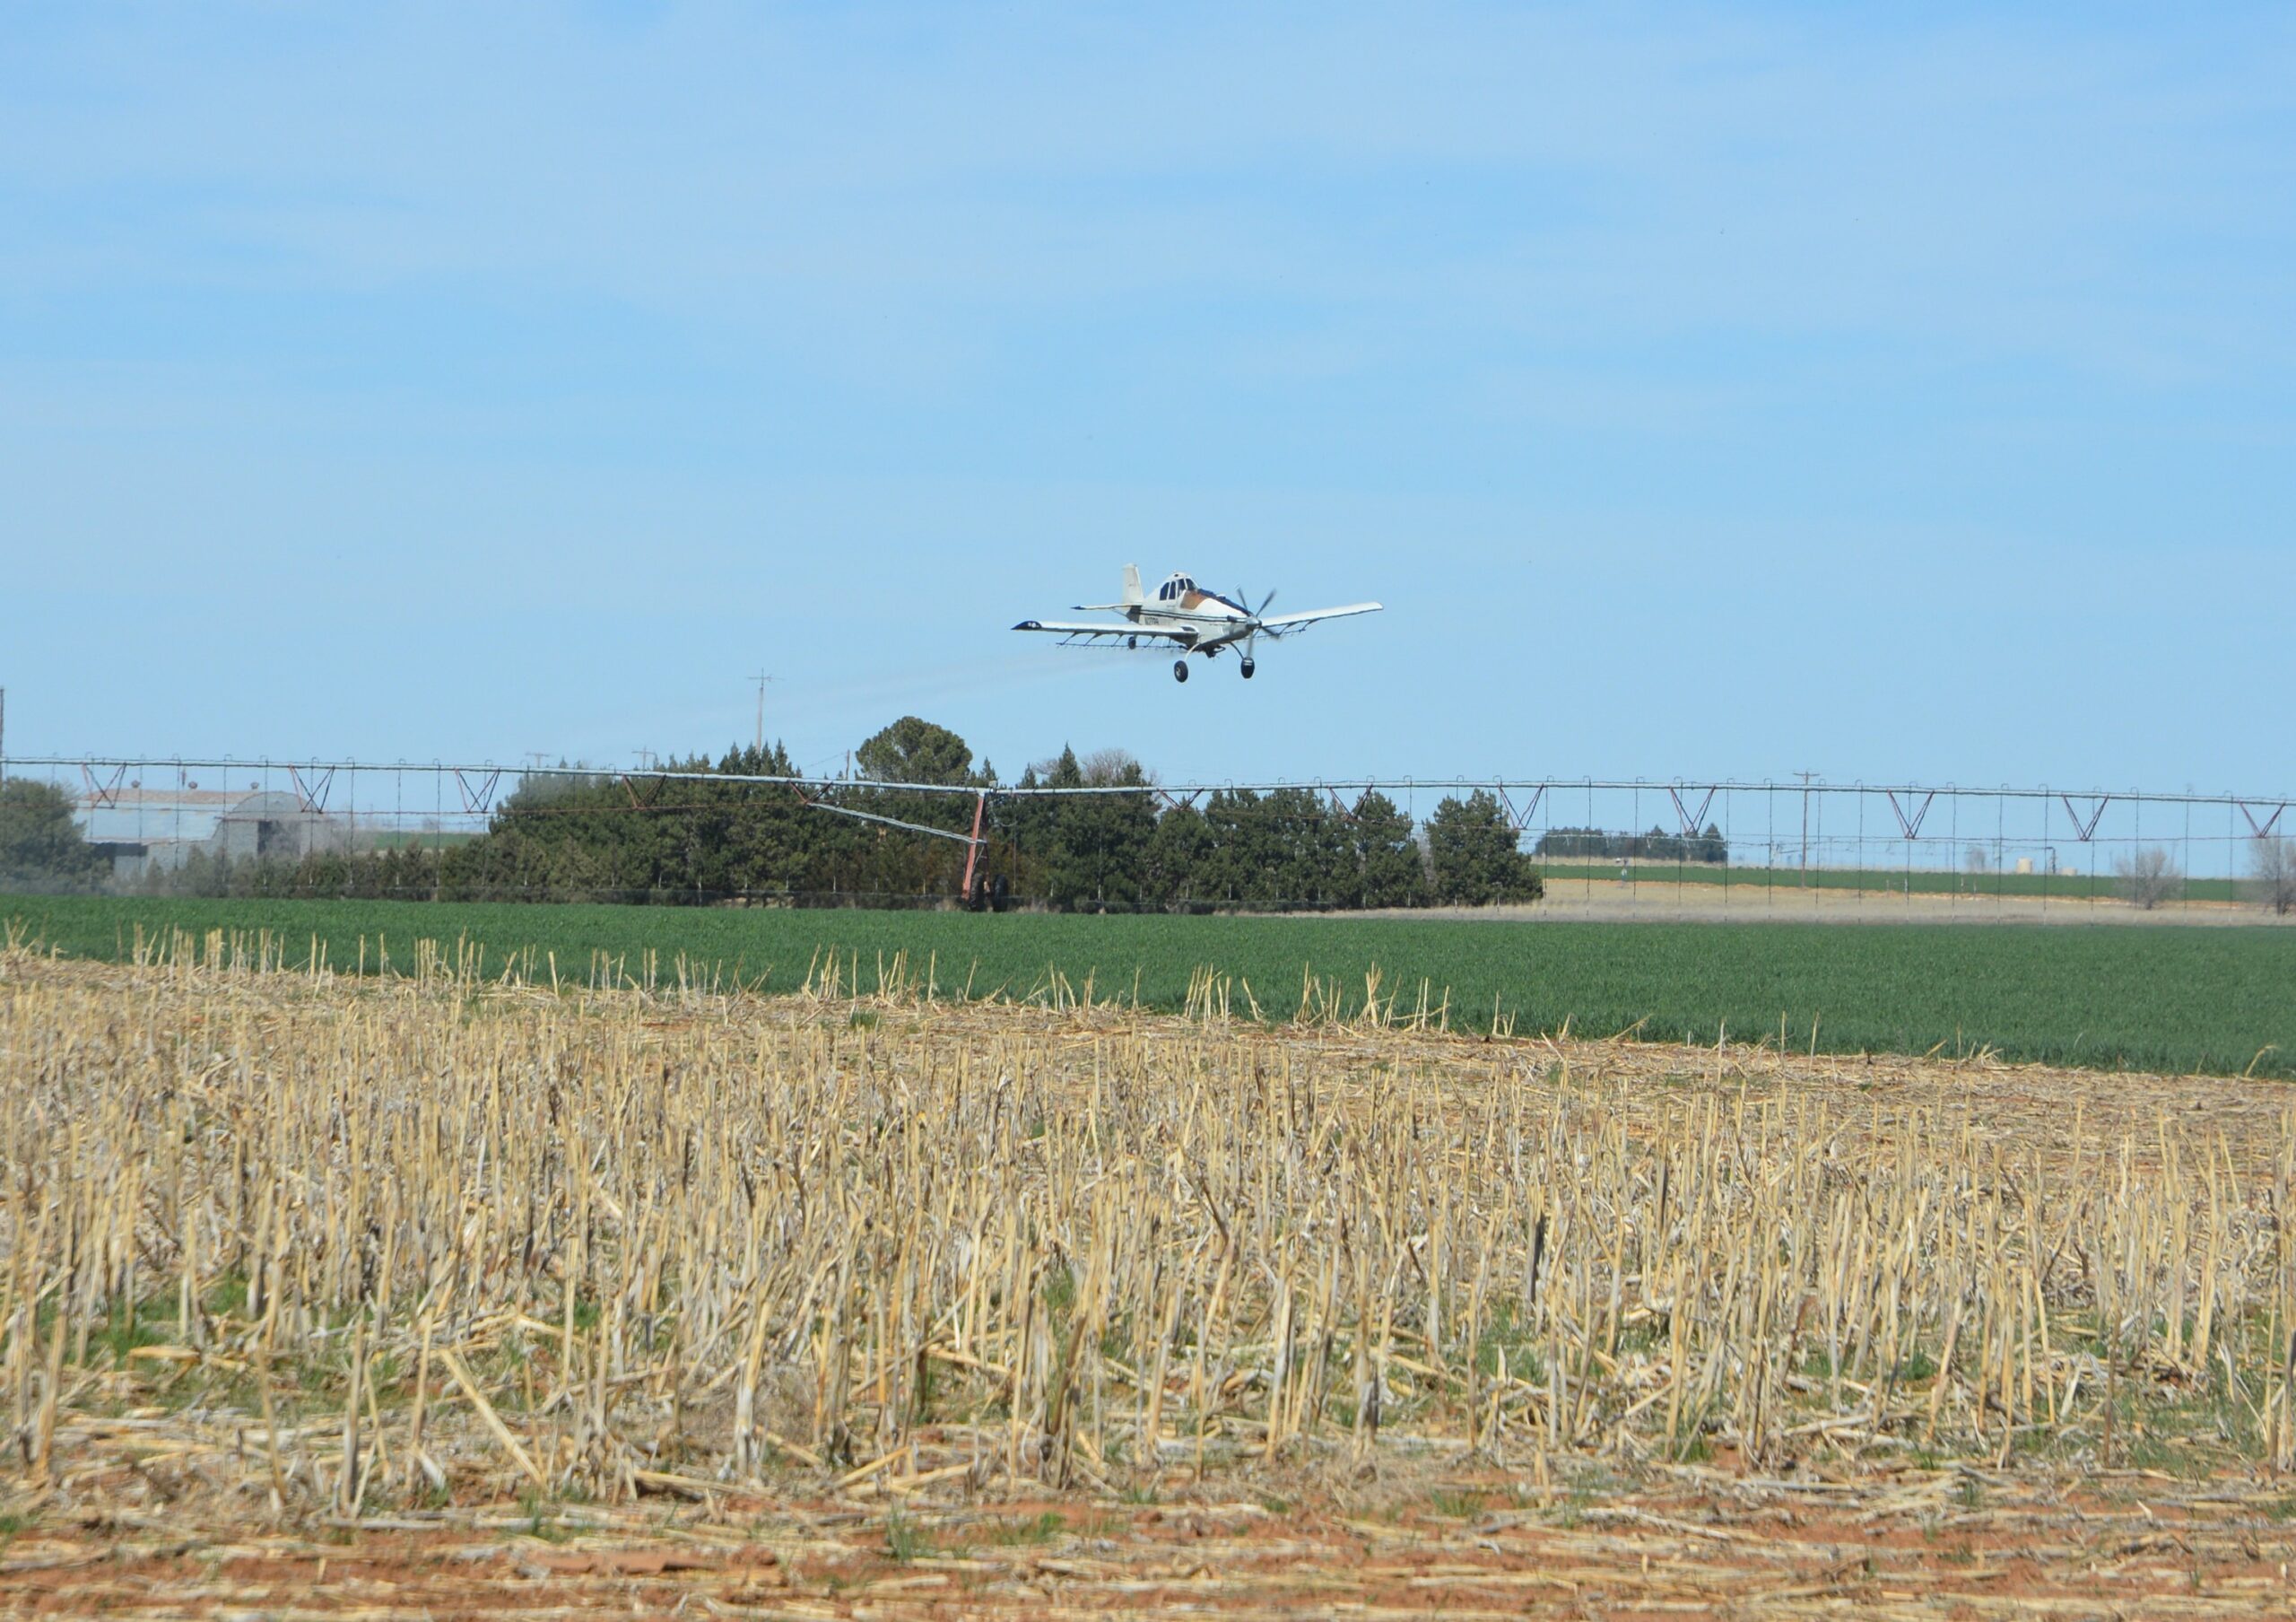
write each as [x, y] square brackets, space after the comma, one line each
[1190, 618]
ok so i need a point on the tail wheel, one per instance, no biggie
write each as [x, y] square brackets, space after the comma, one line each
[1179, 670]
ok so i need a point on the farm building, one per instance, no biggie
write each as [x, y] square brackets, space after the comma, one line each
[277, 826]
[148, 831]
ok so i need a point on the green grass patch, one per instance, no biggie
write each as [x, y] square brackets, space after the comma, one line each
[2170, 997]
[905, 1541]
[408, 839]
[1030, 1530]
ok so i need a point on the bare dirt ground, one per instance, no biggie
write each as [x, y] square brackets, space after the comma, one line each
[2137, 1483]
[1655, 901]
[1717, 1542]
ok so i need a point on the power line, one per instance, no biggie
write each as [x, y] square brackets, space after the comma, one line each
[1805, 777]
[762, 678]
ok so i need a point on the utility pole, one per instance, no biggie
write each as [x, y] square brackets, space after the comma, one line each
[760, 678]
[1805, 777]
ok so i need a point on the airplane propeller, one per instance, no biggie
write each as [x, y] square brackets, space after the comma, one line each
[1242, 596]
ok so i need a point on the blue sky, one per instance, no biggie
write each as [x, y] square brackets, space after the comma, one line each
[1895, 393]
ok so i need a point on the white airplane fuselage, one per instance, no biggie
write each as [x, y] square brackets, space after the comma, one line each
[1183, 616]
[1209, 619]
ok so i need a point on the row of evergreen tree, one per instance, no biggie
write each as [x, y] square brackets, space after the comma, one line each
[1656, 846]
[690, 839]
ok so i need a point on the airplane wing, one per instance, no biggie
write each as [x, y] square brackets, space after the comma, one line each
[1285, 624]
[1082, 632]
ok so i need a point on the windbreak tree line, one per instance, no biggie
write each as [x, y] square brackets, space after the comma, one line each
[1600, 844]
[693, 841]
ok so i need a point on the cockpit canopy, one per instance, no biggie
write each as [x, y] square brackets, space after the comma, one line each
[1173, 588]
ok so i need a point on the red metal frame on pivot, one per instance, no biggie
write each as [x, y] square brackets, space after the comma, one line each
[972, 851]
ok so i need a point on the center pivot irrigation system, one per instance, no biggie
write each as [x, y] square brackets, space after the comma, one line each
[983, 891]
[1692, 804]
[1805, 825]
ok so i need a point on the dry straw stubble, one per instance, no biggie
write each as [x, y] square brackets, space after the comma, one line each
[349, 1246]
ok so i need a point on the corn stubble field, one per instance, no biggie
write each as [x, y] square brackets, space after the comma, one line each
[454, 1294]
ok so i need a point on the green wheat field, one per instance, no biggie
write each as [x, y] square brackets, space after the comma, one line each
[2165, 998]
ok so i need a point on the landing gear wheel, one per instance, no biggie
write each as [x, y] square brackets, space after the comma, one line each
[1179, 670]
[1248, 668]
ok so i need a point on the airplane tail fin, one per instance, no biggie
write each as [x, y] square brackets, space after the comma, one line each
[1133, 596]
